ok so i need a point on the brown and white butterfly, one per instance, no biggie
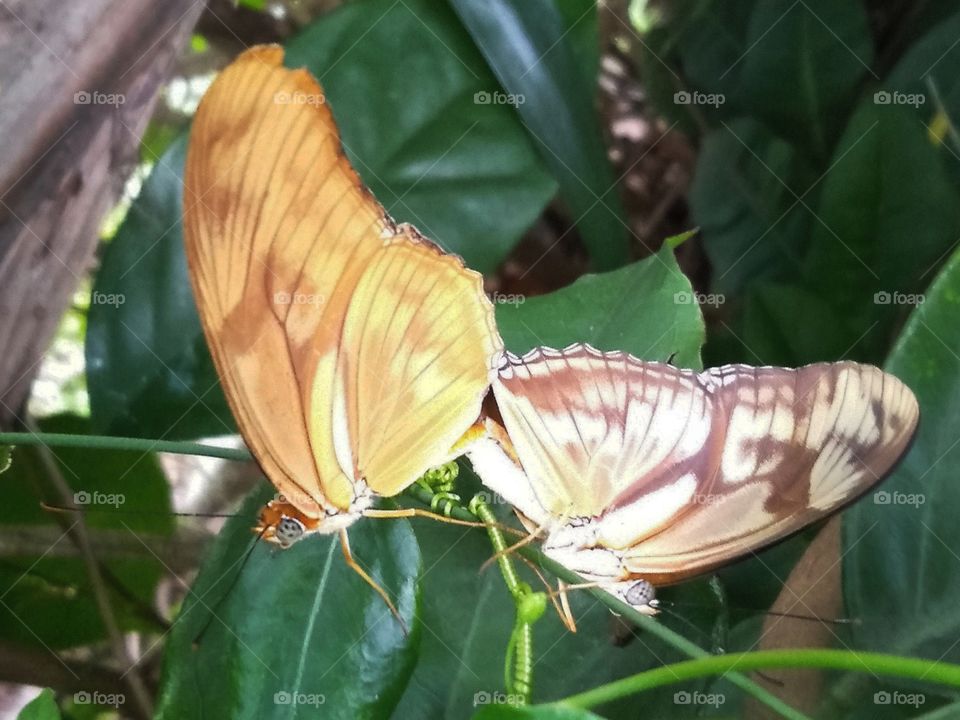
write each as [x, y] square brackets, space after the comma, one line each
[639, 474]
[354, 352]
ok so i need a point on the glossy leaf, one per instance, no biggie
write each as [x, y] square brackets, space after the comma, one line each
[529, 46]
[887, 215]
[647, 308]
[900, 544]
[294, 631]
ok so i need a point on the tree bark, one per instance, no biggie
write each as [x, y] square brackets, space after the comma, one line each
[78, 82]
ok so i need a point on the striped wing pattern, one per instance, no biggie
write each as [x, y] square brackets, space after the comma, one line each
[676, 472]
[283, 242]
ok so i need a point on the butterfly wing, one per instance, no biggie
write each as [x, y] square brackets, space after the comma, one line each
[297, 273]
[419, 348]
[681, 472]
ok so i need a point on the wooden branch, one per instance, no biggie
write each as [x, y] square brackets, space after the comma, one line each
[79, 83]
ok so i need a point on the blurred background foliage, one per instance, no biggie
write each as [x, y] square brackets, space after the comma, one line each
[814, 146]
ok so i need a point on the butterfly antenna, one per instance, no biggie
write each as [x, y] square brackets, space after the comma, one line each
[355, 566]
[233, 583]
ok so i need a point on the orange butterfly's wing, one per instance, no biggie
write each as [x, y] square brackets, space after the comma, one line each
[676, 472]
[292, 263]
[419, 349]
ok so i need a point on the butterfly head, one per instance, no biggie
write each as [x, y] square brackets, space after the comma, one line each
[281, 523]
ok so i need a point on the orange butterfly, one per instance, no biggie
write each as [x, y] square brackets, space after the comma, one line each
[639, 474]
[354, 353]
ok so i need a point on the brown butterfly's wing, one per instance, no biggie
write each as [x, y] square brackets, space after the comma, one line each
[419, 348]
[703, 468]
[278, 230]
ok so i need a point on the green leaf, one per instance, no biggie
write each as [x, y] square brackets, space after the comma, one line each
[802, 65]
[744, 200]
[149, 373]
[294, 631]
[887, 215]
[647, 309]
[507, 712]
[6, 458]
[900, 544]
[42, 707]
[529, 46]
[464, 173]
[47, 598]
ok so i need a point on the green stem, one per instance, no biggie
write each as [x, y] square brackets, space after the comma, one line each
[875, 663]
[109, 442]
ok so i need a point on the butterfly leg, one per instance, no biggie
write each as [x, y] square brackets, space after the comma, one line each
[355, 566]
[417, 512]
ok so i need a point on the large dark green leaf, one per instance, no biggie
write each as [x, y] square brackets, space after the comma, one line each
[886, 216]
[149, 373]
[47, 598]
[902, 544]
[403, 78]
[294, 633]
[465, 174]
[529, 46]
[647, 308]
[744, 201]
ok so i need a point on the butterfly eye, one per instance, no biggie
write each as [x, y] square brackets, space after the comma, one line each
[641, 594]
[288, 531]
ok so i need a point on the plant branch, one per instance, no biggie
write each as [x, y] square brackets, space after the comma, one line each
[875, 663]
